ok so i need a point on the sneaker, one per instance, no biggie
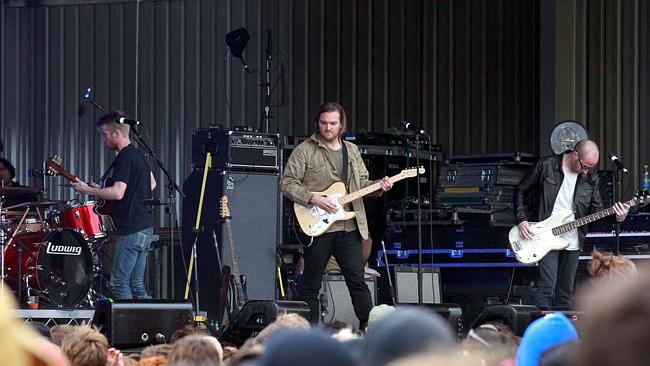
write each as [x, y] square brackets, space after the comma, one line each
[369, 272]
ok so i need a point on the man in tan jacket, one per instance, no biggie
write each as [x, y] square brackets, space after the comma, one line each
[313, 166]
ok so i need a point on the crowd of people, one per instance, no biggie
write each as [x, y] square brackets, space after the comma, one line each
[617, 302]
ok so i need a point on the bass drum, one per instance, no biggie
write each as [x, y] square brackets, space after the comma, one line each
[56, 265]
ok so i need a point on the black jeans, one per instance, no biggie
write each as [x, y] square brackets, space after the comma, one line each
[557, 273]
[346, 248]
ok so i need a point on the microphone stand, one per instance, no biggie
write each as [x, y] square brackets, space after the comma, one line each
[172, 188]
[97, 105]
[417, 168]
[615, 194]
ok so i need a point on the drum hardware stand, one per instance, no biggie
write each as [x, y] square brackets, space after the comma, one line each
[96, 291]
[19, 247]
[3, 234]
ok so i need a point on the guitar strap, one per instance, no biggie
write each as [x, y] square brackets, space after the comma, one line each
[345, 163]
[108, 170]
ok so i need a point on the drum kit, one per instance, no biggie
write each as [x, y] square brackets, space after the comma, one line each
[53, 249]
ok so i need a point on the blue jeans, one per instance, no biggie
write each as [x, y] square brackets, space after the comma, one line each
[129, 265]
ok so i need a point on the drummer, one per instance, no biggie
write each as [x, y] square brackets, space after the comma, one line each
[7, 175]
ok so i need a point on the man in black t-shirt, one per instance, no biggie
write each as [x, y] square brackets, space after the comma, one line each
[132, 183]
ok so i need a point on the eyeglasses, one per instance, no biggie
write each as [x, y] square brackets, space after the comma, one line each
[584, 167]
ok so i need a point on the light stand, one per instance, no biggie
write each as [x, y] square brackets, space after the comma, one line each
[267, 83]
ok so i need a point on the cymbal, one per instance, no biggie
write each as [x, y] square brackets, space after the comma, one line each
[13, 191]
[40, 204]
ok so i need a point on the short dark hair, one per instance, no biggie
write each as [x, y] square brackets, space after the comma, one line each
[110, 121]
[10, 167]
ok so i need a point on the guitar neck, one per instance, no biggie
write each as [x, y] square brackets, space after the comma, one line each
[562, 229]
[233, 255]
[367, 190]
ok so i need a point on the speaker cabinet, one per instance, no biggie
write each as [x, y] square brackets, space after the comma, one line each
[139, 323]
[256, 315]
[335, 300]
[406, 285]
[253, 202]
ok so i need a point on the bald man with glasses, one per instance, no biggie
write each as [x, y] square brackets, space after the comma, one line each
[561, 182]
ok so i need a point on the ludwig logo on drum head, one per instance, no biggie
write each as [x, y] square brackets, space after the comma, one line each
[63, 249]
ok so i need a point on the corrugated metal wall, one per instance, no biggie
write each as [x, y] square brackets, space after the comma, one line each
[464, 71]
[603, 77]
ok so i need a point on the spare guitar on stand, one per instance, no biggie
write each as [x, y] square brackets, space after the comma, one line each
[238, 280]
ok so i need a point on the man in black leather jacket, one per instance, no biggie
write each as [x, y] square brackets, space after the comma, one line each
[558, 182]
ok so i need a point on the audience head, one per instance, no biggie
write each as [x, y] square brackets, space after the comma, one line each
[196, 350]
[543, 334]
[85, 346]
[184, 332]
[405, 332]
[605, 268]
[617, 319]
[152, 361]
[377, 313]
[58, 332]
[490, 344]
[285, 321]
[560, 355]
[156, 350]
[20, 345]
[295, 347]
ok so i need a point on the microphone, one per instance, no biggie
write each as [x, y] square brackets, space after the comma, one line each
[409, 126]
[618, 163]
[130, 122]
[84, 101]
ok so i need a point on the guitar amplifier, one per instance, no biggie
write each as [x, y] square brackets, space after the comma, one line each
[335, 300]
[235, 150]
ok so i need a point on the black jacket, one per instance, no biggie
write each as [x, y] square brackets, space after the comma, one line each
[537, 191]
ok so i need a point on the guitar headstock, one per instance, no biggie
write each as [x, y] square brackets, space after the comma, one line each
[53, 164]
[641, 199]
[224, 210]
[412, 172]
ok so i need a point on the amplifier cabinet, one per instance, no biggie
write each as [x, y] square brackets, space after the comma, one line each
[235, 150]
[335, 300]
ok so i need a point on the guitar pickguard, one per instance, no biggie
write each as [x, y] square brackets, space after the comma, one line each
[322, 219]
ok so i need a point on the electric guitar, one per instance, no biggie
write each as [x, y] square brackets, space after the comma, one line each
[314, 221]
[549, 233]
[239, 280]
[102, 206]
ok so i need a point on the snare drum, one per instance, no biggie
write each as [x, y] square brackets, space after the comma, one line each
[83, 219]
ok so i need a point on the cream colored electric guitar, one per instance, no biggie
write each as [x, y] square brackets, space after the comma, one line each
[314, 221]
[549, 234]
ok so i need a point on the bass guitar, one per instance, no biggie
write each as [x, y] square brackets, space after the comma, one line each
[238, 280]
[549, 233]
[314, 221]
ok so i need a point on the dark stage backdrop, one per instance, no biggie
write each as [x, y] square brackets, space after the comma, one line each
[466, 71]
